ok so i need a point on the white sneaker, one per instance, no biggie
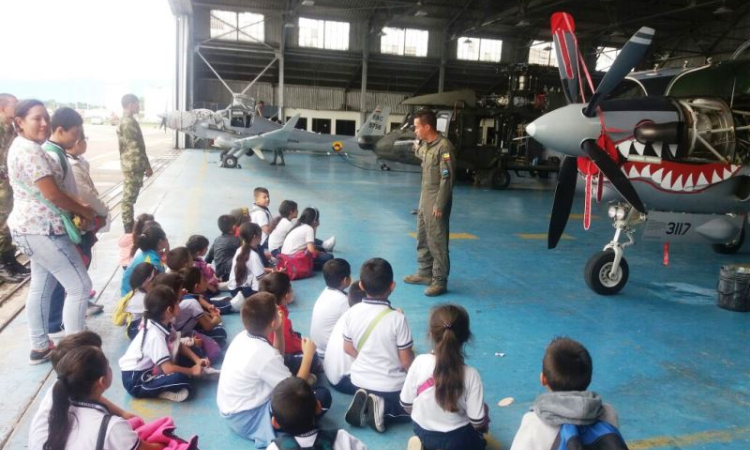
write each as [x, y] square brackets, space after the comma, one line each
[237, 302]
[414, 444]
[329, 243]
[179, 396]
[375, 409]
[209, 373]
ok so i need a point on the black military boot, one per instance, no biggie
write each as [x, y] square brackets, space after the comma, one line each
[8, 275]
[16, 267]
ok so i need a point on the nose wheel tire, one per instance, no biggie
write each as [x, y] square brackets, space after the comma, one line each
[230, 162]
[500, 179]
[597, 273]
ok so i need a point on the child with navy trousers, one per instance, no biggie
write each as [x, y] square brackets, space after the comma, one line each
[253, 368]
[444, 395]
[247, 266]
[378, 337]
[149, 367]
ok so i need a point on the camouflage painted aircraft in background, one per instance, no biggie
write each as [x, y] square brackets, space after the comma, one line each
[677, 163]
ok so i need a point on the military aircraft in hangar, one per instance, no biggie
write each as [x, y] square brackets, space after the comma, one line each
[289, 138]
[677, 163]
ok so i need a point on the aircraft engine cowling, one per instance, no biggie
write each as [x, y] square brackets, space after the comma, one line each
[709, 127]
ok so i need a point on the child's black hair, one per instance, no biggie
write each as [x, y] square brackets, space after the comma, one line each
[259, 190]
[286, 209]
[308, 217]
[191, 278]
[179, 258]
[150, 238]
[258, 312]
[278, 284]
[68, 343]
[226, 222]
[196, 244]
[567, 365]
[294, 406]
[159, 299]
[376, 275]
[77, 374]
[138, 226]
[248, 231]
[356, 293]
[65, 118]
[140, 274]
[173, 280]
[335, 271]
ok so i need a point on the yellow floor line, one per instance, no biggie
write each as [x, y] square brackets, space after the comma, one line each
[688, 440]
[453, 236]
[542, 236]
[580, 216]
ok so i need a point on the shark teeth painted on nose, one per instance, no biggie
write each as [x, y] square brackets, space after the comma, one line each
[676, 177]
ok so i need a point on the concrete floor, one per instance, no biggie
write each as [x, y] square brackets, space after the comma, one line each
[673, 364]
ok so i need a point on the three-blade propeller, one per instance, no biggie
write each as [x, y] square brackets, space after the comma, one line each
[566, 46]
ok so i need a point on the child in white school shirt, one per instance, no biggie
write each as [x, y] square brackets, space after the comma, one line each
[77, 412]
[331, 304]
[338, 364]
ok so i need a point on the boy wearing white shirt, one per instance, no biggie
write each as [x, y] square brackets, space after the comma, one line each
[294, 412]
[260, 214]
[253, 367]
[371, 329]
[332, 303]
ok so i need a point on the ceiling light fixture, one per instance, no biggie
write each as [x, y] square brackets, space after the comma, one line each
[289, 25]
[308, 3]
[723, 10]
[420, 13]
[468, 41]
[523, 23]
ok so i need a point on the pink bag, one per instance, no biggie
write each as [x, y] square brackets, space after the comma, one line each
[210, 348]
[161, 431]
[298, 265]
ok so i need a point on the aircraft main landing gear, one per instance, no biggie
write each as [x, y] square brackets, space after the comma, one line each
[607, 272]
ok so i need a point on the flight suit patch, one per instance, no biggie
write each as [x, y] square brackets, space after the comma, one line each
[446, 156]
[446, 173]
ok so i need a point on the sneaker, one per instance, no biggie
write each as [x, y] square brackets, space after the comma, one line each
[17, 267]
[40, 356]
[329, 243]
[93, 309]
[435, 289]
[375, 408]
[209, 373]
[355, 415]
[9, 276]
[414, 444]
[418, 279]
[179, 396]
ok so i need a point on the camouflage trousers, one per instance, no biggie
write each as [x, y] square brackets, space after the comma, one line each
[131, 187]
[6, 206]
[432, 244]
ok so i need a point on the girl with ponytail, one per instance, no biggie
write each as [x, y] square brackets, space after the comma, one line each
[78, 417]
[444, 396]
[247, 266]
[150, 243]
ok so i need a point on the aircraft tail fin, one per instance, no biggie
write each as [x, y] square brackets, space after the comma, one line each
[375, 124]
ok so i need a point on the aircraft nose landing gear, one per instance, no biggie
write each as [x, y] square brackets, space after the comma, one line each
[607, 272]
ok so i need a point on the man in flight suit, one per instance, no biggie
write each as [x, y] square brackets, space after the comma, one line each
[11, 271]
[438, 173]
[133, 159]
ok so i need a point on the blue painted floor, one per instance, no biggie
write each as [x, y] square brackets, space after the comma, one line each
[673, 364]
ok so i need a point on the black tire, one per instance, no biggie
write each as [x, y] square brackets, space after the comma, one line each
[230, 162]
[500, 179]
[730, 248]
[597, 270]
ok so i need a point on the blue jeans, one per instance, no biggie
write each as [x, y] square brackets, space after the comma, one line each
[54, 259]
[58, 294]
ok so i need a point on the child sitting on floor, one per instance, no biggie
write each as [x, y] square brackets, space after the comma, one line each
[130, 308]
[278, 284]
[294, 412]
[281, 225]
[444, 395]
[224, 247]
[331, 304]
[253, 368]
[337, 364]
[247, 267]
[566, 374]
[209, 324]
[179, 258]
[149, 367]
[197, 245]
[149, 244]
[127, 240]
[301, 237]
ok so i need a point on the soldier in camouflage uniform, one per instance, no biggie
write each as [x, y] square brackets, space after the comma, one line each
[10, 270]
[133, 159]
[438, 174]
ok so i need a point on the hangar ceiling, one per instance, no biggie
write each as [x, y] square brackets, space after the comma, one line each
[685, 28]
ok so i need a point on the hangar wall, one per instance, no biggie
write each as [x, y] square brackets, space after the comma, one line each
[726, 39]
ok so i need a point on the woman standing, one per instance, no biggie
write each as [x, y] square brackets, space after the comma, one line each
[39, 231]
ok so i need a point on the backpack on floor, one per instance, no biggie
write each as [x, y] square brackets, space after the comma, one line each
[597, 436]
[297, 266]
[323, 441]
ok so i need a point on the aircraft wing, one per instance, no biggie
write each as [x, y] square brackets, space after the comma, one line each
[270, 141]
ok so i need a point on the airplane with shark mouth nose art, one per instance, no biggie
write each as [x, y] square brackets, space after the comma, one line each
[676, 164]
